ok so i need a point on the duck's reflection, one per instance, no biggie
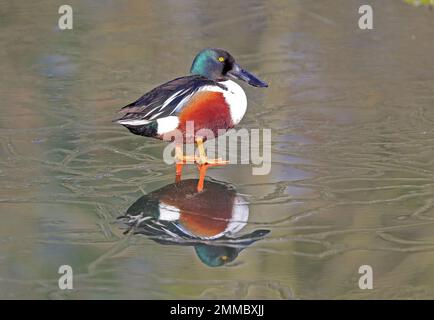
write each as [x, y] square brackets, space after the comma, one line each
[210, 220]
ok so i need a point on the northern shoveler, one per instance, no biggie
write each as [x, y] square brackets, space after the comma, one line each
[207, 98]
[177, 214]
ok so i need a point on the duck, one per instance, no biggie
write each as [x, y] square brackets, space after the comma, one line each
[177, 214]
[179, 110]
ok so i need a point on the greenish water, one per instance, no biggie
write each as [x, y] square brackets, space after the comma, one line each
[352, 179]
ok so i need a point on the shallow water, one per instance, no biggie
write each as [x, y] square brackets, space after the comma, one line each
[352, 180]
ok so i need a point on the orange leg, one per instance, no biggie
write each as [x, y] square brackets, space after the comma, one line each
[204, 163]
[180, 161]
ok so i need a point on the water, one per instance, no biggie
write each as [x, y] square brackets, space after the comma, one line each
[352, 174]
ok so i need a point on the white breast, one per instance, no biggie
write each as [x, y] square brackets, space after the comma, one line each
[234, 96]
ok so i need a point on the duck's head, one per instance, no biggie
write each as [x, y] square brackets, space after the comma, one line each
[219, 65]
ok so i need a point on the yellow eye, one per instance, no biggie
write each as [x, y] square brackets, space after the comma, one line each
[221, 59]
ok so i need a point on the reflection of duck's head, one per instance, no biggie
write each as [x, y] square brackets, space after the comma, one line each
[178, 214]
[218, 255]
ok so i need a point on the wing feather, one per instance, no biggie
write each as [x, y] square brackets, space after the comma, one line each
[165, 100]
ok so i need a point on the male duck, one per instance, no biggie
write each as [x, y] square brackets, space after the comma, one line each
[207, 99]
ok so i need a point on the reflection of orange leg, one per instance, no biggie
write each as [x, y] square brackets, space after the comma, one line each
[202, 173]
[204, 163]
[178, 172]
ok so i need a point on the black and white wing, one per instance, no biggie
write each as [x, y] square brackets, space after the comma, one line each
[163, 101]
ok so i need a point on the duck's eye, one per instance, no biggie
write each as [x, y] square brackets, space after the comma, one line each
[221, 59]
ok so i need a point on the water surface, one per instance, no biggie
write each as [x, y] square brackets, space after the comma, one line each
[351, 114]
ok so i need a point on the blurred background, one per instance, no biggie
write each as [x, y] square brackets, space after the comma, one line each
[351, 113]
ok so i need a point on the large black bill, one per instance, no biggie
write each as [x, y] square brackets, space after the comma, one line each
[239, 73]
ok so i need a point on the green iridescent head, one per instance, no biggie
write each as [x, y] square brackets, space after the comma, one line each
[219, 65]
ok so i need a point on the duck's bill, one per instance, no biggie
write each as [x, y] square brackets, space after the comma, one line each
[239, 73]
